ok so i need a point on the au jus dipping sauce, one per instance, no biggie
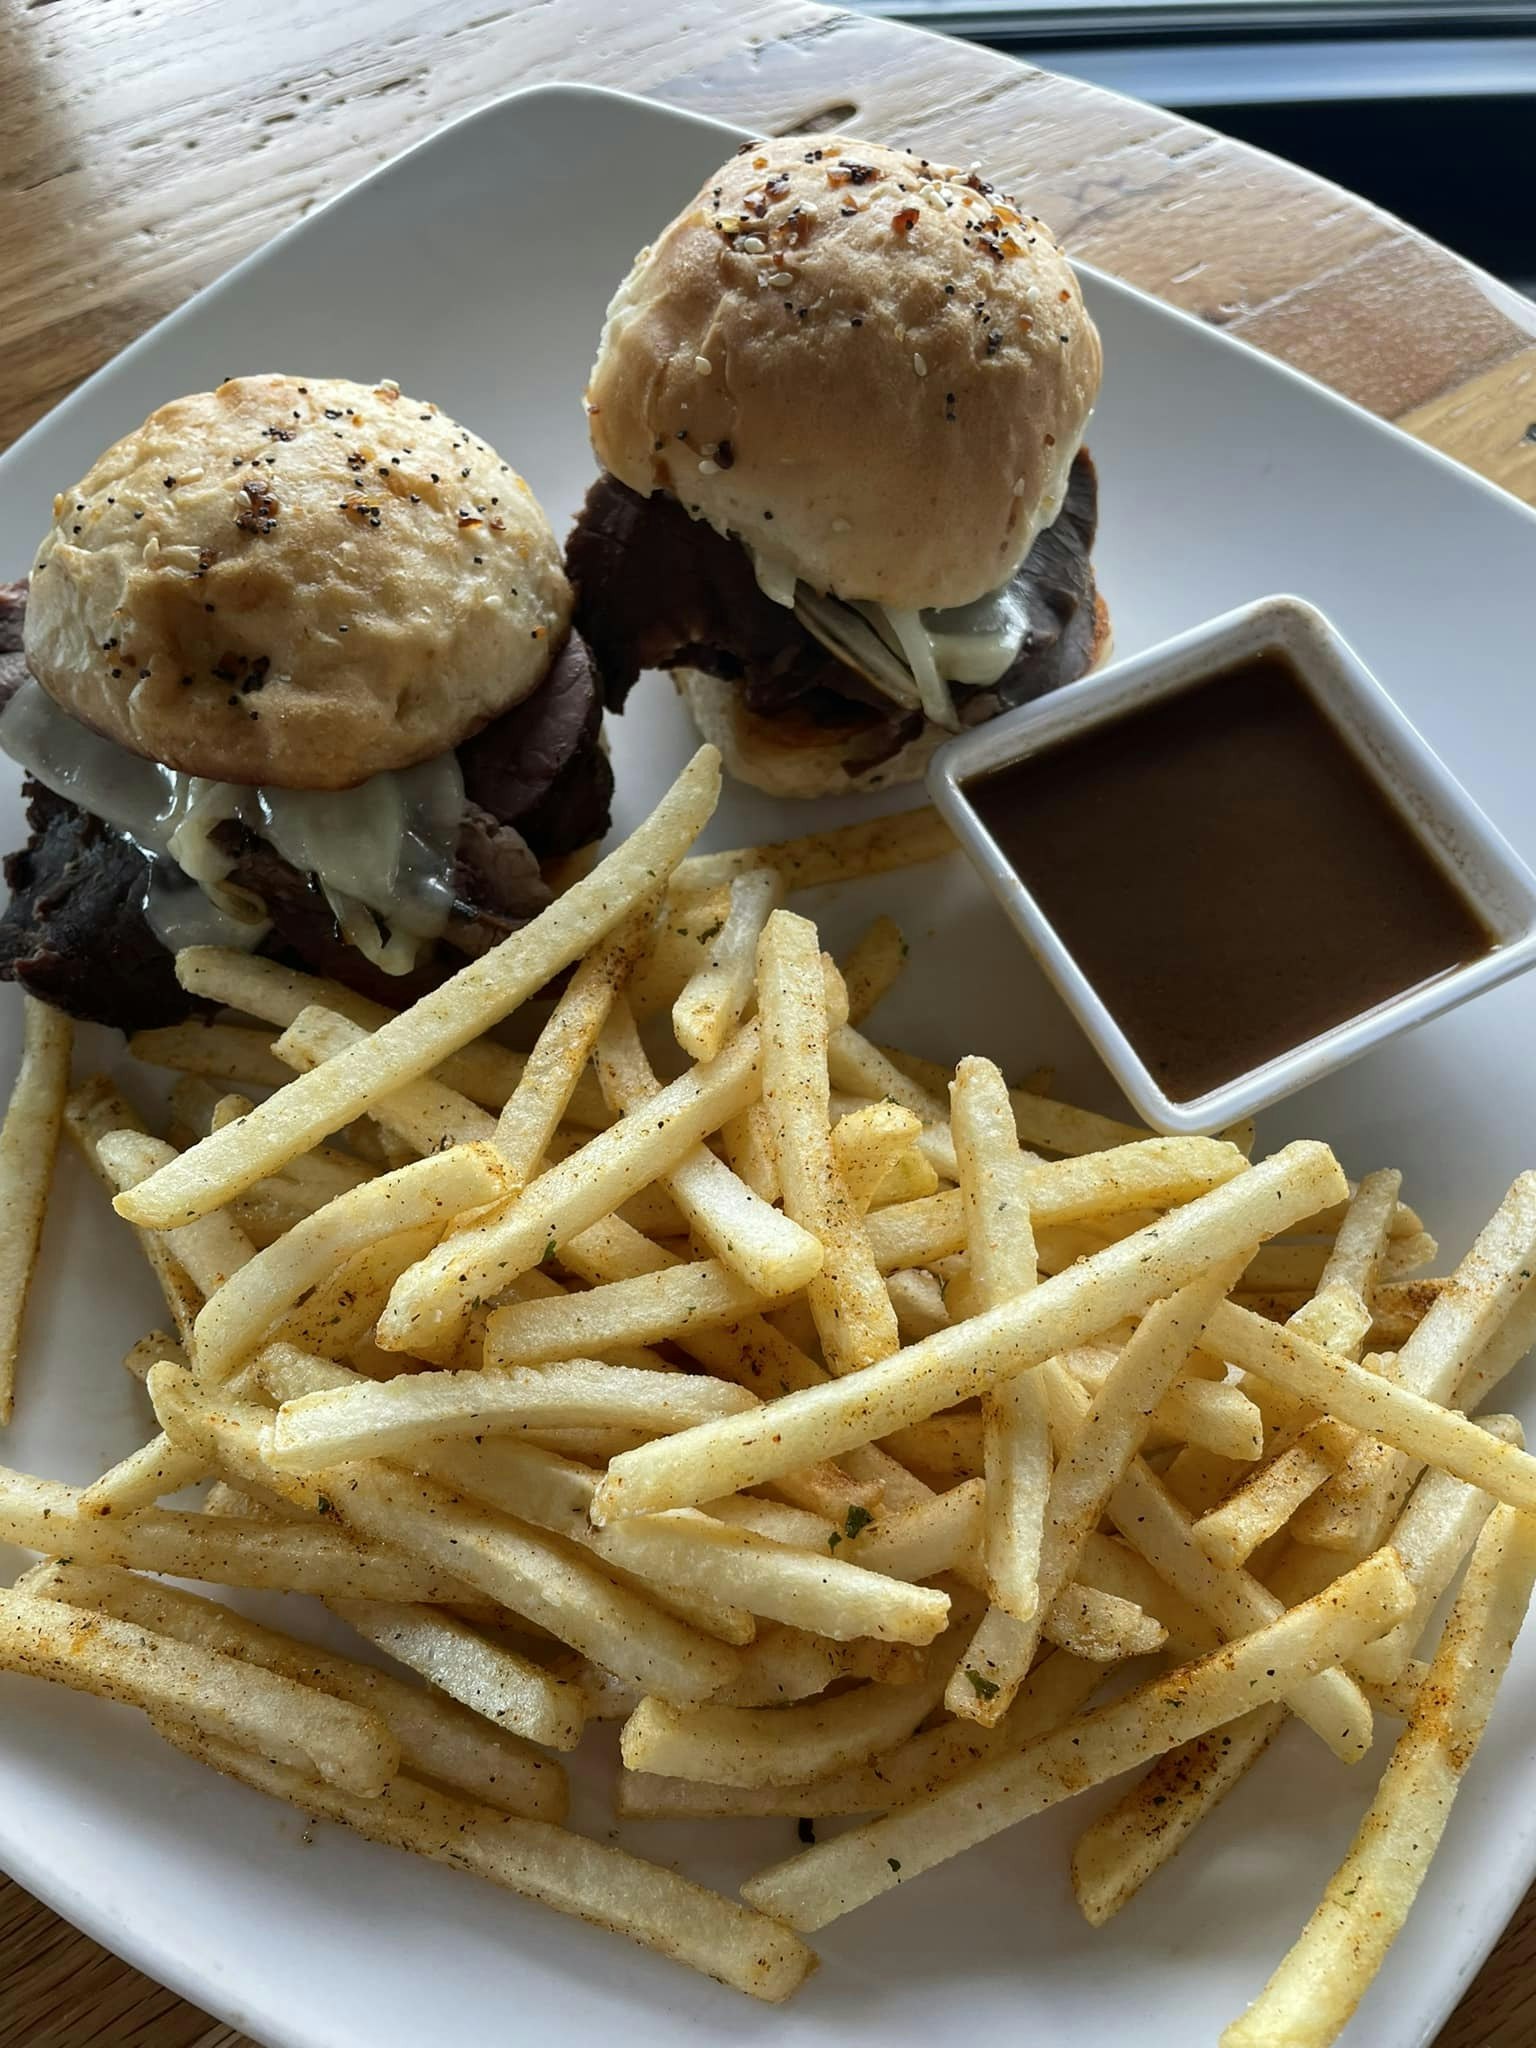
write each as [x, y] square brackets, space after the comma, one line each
[1227, 874]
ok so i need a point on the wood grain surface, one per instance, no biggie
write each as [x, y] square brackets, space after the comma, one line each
[145, 146]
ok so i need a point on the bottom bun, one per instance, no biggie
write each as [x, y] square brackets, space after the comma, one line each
[792, 757]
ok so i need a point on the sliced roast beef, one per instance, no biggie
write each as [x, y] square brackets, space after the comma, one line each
[538, 784]
[1056, 581]
[499, 886]
[540, 764]
[13, 613]
[656, 589]
[13, 663]
[74, 933]
[500, 882]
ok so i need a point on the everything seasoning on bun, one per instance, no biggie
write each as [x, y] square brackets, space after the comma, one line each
[840, 406]
[293, 670]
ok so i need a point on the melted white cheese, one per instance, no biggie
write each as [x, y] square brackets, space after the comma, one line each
[908, 655]
[383, 852]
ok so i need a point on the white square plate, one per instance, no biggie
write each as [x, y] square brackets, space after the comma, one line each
[475, 271]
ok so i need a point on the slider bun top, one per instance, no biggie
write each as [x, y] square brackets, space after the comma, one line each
[868, 366]
[295, 580]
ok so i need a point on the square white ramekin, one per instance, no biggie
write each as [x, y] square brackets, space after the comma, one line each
[1448, 822]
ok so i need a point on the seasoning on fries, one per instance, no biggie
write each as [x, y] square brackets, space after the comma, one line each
[835, 1425]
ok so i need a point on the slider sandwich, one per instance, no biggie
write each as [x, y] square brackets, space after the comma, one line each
[293, 671]
[840, 405]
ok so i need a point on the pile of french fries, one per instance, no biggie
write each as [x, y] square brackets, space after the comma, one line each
[836, 1424]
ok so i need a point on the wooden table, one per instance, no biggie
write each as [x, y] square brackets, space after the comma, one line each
[147, 146]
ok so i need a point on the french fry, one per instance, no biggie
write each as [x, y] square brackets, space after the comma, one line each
[1364, 1400]
[1113, 1567]
[780, 1520]
[332, 1739]
[753, 1746]
[645, 1310]
[748, 1150]
[873, 966]
[896, 1486]
[29, 1139]
[1100, 1627]
[867, 1143]
[219, 1052]
[1397, 1308]
[227, 1162]
[265, 989]
[211, 1249]
[91, 1111]
[430, 1303]
[945, 1449]
[995, 1185]
[940, 1534]
[853, 1313]
[1132, 1840]
[679, 947]
[254, 1300]
[535, 1574]
[44, 1515]
[1016, 1440]
[1363, 1235]
[535, 1107]
[485, 1072]
[1483, 1294]
[816, 1886]
[932, 1076]
[770, 1251]
[146, 1475]
[786, 1664]
[1055, 1689]
[604, 1886]
[495, 1682]
[1216, 1415]
[1432, 1536]
[1103, 1441]
[423, 1115]
[954, 1364]
[687, 1559]
[523, 1479]
[871, 846]
[1312, 1994]
[1261, 1507]
[859, 1068]
[1058, 1127]
[336, 1318]
[910, 1178]
[918, 1300]
[811, 1589]
[1152, 1522]
[1500, 1355]
[149, 1350]
[1337, 1318]
[750, 1351]
[1279, 1267]
[390, 1418]
[541, 1286]
[435, 1737]
[714, 1000]
[1154, 1172]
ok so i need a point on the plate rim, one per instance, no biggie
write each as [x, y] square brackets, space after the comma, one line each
[136, 1941]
